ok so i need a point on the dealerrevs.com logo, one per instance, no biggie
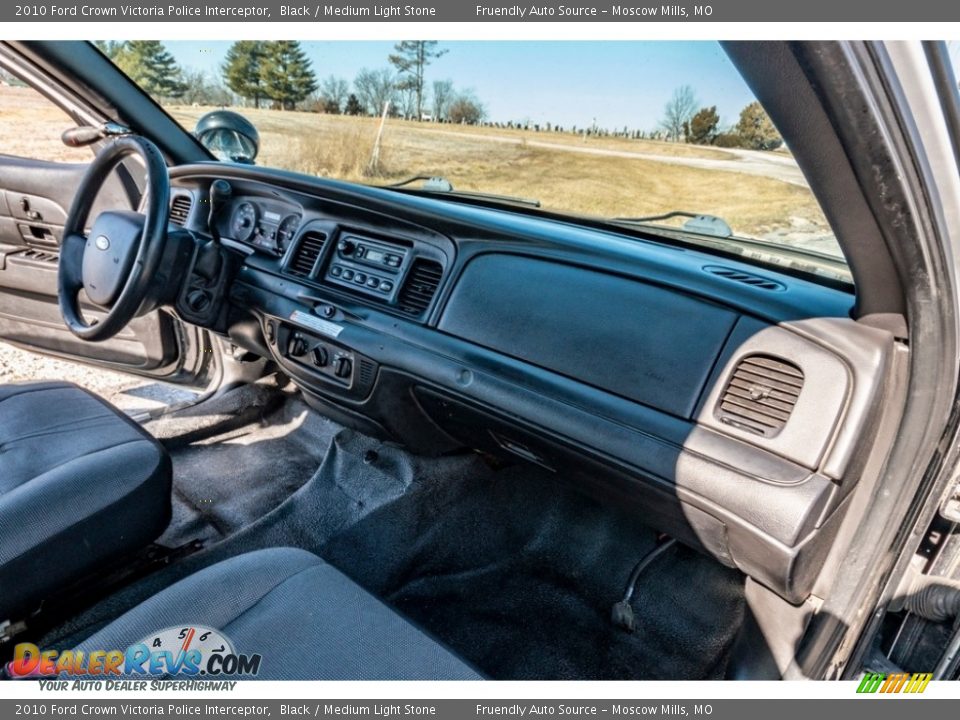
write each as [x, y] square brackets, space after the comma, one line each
[189, 651]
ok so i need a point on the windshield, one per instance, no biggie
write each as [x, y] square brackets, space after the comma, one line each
[661, 133]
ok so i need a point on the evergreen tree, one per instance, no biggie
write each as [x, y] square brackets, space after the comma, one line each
[703, 126]
[286, 73]
[151, 66]
[411, 60]
[756, 129]
[353, 106]
[110, 48]
[241, 70]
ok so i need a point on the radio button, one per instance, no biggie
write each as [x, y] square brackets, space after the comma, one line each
[336, 271]
[386, 286]
[348, 274]
[373, 282]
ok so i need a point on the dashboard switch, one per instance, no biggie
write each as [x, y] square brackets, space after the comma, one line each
[297, 346]
[320, 356]
[342, 367]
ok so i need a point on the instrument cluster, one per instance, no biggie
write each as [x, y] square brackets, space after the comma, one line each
[265, 224]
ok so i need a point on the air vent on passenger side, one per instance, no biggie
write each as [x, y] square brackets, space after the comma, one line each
[760, 395]
[180, 209]
[305, 256]
[739, 276]
[420, 286]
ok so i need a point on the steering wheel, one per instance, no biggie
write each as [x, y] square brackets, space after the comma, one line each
[116, 263]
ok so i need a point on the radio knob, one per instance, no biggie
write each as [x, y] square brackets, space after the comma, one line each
[346, 247]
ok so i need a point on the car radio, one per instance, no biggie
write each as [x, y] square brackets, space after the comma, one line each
[368, 266]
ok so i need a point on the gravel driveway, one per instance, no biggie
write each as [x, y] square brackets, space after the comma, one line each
[132, 394]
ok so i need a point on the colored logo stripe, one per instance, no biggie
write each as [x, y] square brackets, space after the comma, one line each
[894, 683]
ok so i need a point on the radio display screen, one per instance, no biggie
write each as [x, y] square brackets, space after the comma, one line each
[375, 256]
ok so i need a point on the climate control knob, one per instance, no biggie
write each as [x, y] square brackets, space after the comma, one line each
[297, 346]
[320, 356]
[342, 367]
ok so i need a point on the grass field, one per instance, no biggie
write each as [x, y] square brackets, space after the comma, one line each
[595, 176]
[513, 162]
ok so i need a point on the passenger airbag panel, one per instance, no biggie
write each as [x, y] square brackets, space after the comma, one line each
[638, 340]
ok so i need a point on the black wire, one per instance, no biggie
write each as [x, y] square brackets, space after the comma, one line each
[644, 563]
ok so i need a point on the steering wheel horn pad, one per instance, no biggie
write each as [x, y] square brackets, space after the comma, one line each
[109, 254]
[116, 265]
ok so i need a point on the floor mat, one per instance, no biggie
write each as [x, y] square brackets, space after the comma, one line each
[518, 573]
[512, 569]
[356, 476]
[226, 482]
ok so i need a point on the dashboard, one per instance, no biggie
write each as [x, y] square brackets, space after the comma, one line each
[731, 405]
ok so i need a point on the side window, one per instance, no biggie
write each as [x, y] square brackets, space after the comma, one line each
[30, 125]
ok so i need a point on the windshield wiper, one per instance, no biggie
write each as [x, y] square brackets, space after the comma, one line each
[442, 186]
[705, 229]
[699, 223]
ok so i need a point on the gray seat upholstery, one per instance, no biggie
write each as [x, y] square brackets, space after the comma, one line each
[80, 485]
[306, 619]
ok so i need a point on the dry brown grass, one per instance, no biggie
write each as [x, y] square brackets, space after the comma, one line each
[30, 126]
[339, 146]
[477, 159]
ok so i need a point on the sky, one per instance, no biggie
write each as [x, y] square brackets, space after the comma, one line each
[615, 83]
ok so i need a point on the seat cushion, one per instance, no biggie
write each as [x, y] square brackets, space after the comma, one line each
[306, 619]
[80, 484]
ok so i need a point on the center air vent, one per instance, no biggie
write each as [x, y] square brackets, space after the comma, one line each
[420, 286]
[757, 281]
[761, 395]
[180, 209]
[305, 256]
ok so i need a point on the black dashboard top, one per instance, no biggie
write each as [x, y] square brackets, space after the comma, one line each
[268, 204]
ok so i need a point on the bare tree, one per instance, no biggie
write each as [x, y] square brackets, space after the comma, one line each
[373, 88]
[334, 91]
[407, 102]
[678, 112]
[442, 96]
[466, 109]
